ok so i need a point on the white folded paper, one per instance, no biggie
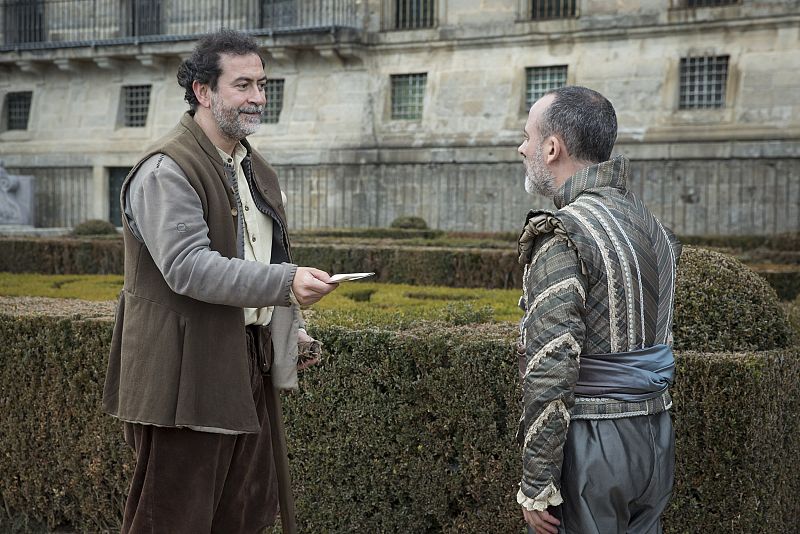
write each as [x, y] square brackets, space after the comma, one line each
[347, 277]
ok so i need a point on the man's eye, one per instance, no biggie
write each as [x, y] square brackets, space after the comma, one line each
[242, 86]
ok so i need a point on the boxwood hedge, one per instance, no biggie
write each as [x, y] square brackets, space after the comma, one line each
[393, 261]
[396, 431]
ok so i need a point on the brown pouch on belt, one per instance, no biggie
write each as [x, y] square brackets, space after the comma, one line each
[263, 343]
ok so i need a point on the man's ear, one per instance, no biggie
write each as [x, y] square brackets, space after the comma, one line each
[203, 93]
[553, 149]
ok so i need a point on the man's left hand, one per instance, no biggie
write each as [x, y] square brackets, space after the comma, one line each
[309, 350]
[541, 521]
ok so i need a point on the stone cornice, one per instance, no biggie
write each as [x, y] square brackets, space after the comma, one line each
[525, 34]
[341, 43]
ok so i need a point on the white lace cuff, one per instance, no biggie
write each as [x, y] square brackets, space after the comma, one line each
[549, 496]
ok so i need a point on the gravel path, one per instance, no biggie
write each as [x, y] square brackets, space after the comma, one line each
[86, 309]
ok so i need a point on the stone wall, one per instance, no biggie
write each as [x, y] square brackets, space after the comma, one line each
[726, 170]
[62, 195]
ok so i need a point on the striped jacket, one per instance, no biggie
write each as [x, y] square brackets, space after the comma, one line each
[599, 278]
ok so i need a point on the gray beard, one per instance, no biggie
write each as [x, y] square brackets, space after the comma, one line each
[538, 180]
[230, 121]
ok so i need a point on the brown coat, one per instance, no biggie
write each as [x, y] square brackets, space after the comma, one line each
[177, 361]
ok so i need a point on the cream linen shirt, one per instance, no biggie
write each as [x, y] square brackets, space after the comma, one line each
[257, 230]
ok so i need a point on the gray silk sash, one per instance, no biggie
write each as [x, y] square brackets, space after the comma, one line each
[627, 376]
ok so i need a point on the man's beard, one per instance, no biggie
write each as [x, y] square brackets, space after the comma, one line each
[538, 178]
[233, 122]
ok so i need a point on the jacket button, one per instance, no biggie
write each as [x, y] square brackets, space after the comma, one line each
[234, 212]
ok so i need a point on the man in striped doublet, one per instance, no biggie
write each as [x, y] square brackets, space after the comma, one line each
[596, 337]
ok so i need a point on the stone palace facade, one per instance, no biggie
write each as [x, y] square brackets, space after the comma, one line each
[383, 108]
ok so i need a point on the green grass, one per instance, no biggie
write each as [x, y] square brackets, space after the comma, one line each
[352, 302]
[63, 286]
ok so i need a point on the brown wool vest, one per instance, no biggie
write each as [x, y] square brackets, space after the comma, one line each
[177, 361]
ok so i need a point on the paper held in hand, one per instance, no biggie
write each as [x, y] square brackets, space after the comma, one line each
[347, 277]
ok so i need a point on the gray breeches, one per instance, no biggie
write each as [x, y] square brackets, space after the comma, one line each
[617, 475]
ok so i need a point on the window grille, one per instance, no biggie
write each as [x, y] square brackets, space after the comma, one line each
[410, 14]
[552, 9]
[145, 17]
[274, 105]
[710, 3]
[702, 82]
[408, 95]
[540, 80]
[136, 102]
[18, 109]
[23, 21]
[278, 13]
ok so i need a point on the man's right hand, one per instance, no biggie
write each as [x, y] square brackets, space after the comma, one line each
[310, 285]
[542, 522]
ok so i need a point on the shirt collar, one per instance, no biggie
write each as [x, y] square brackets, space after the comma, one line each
[611, 173]
[239, 153]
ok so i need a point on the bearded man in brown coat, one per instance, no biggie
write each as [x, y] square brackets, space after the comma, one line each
[208, 322]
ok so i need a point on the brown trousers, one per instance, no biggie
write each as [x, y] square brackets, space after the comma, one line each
[200, 482]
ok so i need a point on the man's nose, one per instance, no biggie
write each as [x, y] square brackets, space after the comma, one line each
[258, 97]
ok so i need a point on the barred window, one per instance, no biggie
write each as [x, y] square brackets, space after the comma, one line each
[274, 105]
[702, 82]
[145, 17]
[23, 21]
[552, 9]
[710, 3]
[408, 95]
[409, 14]
[279, 13]
[540, 80]
[18, 110]
[135, 104]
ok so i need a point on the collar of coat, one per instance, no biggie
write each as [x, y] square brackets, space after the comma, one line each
[611, 173]
[188, 122]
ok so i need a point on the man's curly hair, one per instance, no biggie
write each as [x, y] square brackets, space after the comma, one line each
[203, 64]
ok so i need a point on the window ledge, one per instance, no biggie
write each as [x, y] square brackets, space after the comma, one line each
[126, 132]
[16, 135]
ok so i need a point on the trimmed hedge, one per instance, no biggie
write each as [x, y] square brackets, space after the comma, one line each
[490, 268]
[67, 255]
[793, 311]
[64, 462]
[368, 233]
[94, 227]
[786, 282]
[720, 305]
[396, 431]
[788, 241]
[440, 266]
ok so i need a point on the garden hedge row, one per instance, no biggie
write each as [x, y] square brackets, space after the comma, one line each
[788, 241]
[420, 265]
[64, 255]
[396, 431]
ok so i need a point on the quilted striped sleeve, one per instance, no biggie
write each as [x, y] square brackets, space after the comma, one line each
[553, 333]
